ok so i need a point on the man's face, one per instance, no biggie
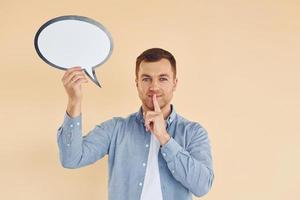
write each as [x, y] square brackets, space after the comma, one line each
[156, 78]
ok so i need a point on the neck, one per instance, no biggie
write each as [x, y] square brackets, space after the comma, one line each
[166, 110]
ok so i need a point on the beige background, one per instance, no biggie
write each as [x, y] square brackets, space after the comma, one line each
[238, 69]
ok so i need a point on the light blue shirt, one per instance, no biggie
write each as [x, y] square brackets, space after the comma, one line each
[185, 162]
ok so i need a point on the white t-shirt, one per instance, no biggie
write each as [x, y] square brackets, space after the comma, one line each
[152, 189]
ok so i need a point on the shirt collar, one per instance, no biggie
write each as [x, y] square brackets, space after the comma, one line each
[169, 120]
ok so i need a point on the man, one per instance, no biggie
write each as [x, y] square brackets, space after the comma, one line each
[153, 154]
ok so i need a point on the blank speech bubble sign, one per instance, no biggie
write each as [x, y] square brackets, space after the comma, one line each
[68, 41]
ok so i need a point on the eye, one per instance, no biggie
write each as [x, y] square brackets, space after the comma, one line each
[145, 79]
[163, 79]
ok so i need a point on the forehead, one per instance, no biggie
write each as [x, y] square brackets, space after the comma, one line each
[163, 66]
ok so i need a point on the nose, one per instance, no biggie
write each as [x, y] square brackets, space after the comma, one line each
[154, 85]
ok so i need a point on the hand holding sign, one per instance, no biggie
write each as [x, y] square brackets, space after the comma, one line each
[72, 80]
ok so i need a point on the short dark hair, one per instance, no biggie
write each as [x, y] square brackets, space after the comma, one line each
[153, 55]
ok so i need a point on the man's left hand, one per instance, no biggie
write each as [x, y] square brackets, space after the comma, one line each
[154, 121]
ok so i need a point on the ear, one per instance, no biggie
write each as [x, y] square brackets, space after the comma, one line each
[175, 84]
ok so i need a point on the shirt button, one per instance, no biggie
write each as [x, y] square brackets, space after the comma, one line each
[68, 145]
[144, 164]
[140, 184]
[164, 154]
[173, 171]
[78, 123]
[71, 125]
[147, 145]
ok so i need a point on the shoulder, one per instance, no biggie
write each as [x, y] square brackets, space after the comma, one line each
[115, 125]
[189, 134]
[119, 120]
[192, 125]
[194, 131]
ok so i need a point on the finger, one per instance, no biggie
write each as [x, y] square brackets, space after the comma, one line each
[69, 76]
[75, 80]
[79, 82]
[146, 124]
[73, 75]
[147, 127]
[150, 115]
[148, 120]
[76, 83]
[70, 71]
[155, 104]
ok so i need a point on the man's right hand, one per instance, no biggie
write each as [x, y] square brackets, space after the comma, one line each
[72, 80]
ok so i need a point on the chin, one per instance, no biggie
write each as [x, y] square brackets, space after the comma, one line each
[150, 106]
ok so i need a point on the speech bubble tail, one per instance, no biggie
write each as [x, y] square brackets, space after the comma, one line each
[92, 75]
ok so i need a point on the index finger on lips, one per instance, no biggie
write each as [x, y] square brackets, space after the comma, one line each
[155, 104]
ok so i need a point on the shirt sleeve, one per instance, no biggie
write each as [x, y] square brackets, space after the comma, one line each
[75, 150]
[192, 166]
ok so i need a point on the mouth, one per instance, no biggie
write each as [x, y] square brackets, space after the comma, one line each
[157, 96]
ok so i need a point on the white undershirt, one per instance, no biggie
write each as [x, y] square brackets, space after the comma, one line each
[152, 189]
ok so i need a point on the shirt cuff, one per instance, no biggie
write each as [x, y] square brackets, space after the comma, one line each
[170, 150]
[72, 122]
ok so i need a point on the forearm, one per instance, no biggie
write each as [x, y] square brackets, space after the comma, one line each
[196, 175]
[74, 108]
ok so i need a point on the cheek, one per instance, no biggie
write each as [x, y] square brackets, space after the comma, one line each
[142, 89]
[167, 89]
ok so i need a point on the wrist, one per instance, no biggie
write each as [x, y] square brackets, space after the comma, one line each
[73, 102]
[74, 109]
[164, 139]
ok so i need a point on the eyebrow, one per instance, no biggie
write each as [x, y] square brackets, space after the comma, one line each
[145, 75]
[167, 75]
[161, 75]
